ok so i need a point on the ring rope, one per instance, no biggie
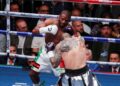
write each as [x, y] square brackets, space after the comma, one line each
[103, 63]
[33, 15]
[32, 57]
[100, 39]
[17, 55]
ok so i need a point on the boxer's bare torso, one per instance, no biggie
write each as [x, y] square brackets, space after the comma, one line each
[73, 52]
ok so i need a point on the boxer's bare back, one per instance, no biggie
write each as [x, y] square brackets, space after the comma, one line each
[73, 52]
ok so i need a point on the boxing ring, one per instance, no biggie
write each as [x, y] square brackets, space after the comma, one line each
[17, 76]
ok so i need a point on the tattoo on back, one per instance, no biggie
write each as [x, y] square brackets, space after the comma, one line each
[67, 45]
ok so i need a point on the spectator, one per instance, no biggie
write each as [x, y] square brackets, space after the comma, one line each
[96, 26]
[100, 9]
[80, 6]
[11, 60]
[14, 7]
[100, 50]
[38, 42]
[43, 9]
[77, 12]
[116, 30]
[88, 10]
[95, 29]
[113, 57]
[23, 43]
[78, 28]
[25, 5]
[105, 31]
[107, 15]
[58, 6]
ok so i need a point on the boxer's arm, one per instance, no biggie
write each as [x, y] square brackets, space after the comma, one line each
[57, 57]
[49, 29]
[44, 24]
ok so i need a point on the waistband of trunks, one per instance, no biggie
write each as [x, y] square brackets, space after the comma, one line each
[76, 72]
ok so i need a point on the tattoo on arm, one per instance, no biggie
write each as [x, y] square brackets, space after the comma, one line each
[57, 56]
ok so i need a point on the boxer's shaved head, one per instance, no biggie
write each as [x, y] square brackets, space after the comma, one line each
[64, 18]
[67, 13]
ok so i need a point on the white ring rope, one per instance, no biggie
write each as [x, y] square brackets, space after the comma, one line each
[103, 63]
[33, 15]
[32, 57]
[17, 55]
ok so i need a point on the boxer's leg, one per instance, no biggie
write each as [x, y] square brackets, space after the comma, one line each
[38, 65]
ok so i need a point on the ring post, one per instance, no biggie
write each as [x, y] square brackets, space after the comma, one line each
[8, 26]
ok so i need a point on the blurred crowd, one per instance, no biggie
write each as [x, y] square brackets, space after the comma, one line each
[27, 45]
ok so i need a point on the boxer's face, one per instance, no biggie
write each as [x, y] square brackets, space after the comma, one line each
[63, 20]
